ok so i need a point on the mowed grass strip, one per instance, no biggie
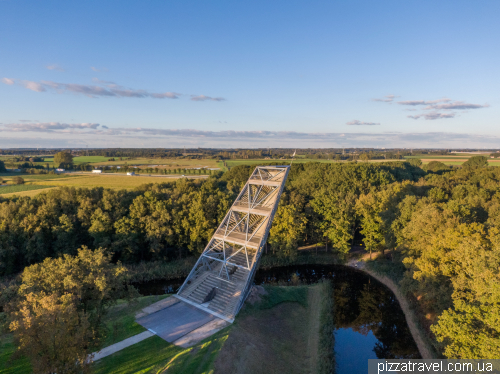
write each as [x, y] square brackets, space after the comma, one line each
[12, 189]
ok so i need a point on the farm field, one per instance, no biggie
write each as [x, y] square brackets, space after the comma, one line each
[170, 163]
[107, 181]
[237, 162]
[15, 189]
[455, 159]
[37, 183]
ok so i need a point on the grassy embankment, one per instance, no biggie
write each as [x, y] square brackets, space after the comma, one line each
[289, 331]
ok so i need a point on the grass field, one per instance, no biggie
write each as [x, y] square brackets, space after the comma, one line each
[453, 159]
[13, 189]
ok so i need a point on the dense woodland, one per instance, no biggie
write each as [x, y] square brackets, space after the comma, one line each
[441, 225]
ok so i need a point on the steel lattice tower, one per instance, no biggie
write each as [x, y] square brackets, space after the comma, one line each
[222, 277]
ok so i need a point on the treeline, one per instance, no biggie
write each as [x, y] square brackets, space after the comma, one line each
[169, 220]
[445, 232]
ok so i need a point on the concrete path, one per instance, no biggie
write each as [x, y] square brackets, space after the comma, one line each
[175, 321]
[201, 333]
[121, 345]
[172, 320]
[159, 305]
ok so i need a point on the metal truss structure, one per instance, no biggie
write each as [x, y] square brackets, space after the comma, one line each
[222, 277]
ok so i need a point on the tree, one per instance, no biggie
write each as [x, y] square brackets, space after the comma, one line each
[1, 181]
[89, 277]
[18, 180]
[2, 167]
[364, 157]
[52, 334]
[63, 159]
[288, 226]
[475, 162]
[367, 208]
[415, 162]
[436, 166]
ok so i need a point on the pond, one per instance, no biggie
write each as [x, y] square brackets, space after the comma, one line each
[369, 321]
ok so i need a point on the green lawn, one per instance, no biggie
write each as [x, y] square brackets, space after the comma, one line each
[20, 188]
[120, 319]
[155, 355]
[8, 366]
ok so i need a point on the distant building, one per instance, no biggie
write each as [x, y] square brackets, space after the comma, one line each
[130, 173]
[59, 170]
[97, 171]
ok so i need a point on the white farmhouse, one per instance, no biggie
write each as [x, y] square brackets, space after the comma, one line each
[97, 171]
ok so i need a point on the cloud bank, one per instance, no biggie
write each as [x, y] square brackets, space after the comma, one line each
[47, 126]
[97, 135]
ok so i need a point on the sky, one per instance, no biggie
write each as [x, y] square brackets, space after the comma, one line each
[250, 74]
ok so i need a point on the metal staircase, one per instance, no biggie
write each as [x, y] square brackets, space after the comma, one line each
[222, 277]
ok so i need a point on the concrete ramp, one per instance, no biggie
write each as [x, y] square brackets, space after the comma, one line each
[175, 321]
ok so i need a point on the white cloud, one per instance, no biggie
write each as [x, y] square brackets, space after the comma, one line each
[459, 105]
[423, 102]
[102, 89]
[387, 99]
[33, 86]
[206, 98]
[436, 107]
[433, 115]
[359, 123]
[8, 81]
[48, 126]
[55, 67]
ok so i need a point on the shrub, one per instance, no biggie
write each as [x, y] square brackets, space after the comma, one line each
[18, 180]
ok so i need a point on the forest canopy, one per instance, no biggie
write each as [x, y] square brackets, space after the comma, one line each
[441, 224]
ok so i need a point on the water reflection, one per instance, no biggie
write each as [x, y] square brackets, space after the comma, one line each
[369, 321]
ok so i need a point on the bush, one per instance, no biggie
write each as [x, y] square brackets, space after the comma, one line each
[18, 180]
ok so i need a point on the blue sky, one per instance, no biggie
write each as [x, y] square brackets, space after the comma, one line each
[249, 74]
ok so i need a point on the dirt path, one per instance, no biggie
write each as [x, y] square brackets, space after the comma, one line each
[423, 347]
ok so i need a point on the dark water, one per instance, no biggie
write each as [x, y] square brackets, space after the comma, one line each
[369, 321]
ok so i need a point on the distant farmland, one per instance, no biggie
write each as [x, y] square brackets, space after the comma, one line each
[9, 189]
